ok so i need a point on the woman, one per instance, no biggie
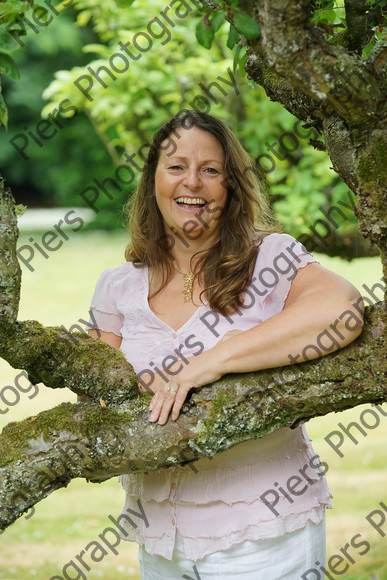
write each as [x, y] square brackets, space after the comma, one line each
[209, 288]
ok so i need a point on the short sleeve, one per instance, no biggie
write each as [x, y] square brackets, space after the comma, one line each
[280, 257]
[103, 310]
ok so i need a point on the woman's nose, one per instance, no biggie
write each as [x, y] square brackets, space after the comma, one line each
[192, 178]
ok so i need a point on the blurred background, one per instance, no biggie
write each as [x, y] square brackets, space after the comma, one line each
[64, 170]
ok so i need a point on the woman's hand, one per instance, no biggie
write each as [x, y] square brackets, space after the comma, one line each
[199, 370]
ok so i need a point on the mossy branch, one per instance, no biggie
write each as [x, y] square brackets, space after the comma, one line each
[10, 273]
[60, 359]
[53, 356]
[43, 453]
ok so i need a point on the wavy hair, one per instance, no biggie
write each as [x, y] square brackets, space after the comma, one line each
[226, 268]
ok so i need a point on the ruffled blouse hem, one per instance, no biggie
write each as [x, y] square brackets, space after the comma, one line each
[216, 480]
[199, 547]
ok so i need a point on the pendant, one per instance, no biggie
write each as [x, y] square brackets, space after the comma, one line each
[188, 285]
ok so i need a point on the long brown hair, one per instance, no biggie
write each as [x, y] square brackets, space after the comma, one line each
[227, 267]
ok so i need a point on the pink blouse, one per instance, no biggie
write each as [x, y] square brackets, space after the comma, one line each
[260, 488]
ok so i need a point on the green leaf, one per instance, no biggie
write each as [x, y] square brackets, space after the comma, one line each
[100, 49]
[124, 3]
[6, 40]
[242, 63]
[3, 111]
[236, 57]
[328, 16]
[13, 8]
[322, 4]
[39, 3]
[43, 16]
[204, 34]
[8, 66]
[217, 20]
[233, 37]
[84, 17]
[368, 48]
[247, 26]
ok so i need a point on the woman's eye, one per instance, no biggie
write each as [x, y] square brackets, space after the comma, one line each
[175, 167]
[212, 170]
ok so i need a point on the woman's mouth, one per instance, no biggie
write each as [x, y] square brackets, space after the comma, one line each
[190, 203]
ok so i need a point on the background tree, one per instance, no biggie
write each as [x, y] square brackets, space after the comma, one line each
[122, 117]
[36, 171]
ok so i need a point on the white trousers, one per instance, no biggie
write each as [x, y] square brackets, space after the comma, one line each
[283, 558]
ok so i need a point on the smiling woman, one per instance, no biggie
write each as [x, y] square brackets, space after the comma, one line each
[196, 167]
[206, 157]
[202, 243]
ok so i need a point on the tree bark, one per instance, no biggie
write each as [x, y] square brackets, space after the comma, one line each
[111, 434]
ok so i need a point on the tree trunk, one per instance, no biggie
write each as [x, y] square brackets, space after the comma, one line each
[332, 89]
[327, 86]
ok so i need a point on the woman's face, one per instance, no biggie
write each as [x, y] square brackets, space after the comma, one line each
[190, 185]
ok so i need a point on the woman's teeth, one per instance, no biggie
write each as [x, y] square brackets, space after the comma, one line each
[191, 201]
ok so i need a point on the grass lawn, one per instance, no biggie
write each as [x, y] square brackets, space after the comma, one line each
[59, 292]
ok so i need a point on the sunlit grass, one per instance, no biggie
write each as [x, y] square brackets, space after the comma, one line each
[59, 292]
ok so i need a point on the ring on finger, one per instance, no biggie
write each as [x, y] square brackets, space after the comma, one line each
[173, 390]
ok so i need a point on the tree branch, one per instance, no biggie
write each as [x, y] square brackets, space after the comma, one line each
[61, 359]
[315, 66]
[43, 453]
[280, 89]
[299, 52]
[10, 273]
[360, 21]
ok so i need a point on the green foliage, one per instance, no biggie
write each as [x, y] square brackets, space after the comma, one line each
[239, 61]
[205, 33]
[233, 37]
[66, 162]
[8, 66]
[330, 16]
[6, 40]
[246, 25]
[207, 27]
[172, 75]
[3, 110]
[11, 10]
[124, 3]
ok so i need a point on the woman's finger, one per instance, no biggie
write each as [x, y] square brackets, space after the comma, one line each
[165, 411]
[152, 401]
[162, 405]
[179, 401]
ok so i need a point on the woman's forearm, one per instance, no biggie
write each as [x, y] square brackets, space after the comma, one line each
[305, 330]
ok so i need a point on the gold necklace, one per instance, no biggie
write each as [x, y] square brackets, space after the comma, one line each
[188, 284]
